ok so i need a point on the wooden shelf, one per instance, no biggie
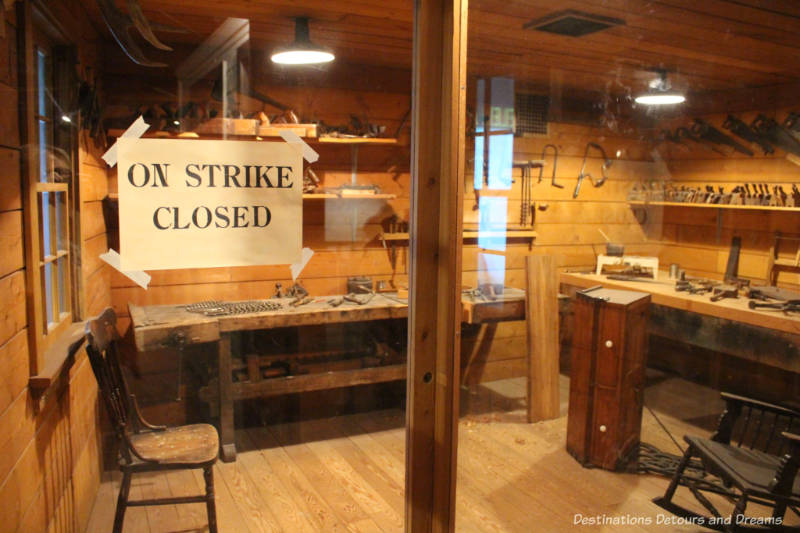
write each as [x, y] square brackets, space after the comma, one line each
[334, 196]
[715, 206]
[509, 234]
[354, 140]
[471, 234]
[394, 236]
[117, 132]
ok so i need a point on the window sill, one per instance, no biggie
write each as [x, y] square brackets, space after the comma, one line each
[58, 360]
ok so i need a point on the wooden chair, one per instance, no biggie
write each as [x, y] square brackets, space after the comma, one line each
[144, 447]
[753, 457]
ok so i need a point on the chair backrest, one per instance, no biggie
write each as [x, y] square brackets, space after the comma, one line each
[102, 338]
[758, 425]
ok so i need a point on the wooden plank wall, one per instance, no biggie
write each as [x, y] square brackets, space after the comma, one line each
[379, 95]
[695, 238]
[567, 229]
[50, 465]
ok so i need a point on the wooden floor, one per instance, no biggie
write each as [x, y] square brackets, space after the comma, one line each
[346, 473]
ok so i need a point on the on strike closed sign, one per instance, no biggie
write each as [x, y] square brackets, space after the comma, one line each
[198, 203]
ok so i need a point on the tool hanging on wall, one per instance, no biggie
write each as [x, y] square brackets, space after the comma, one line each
[777, 136]
[668, 136]
[555, 162]
[792, 124]
[706, 131]
[685, 133]
[743, 131]
[606, 164]
[526, 189]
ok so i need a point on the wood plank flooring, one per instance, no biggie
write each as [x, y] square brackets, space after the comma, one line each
[346, 473]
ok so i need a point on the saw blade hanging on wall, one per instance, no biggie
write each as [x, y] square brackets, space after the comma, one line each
[743, 131]
[706, 131]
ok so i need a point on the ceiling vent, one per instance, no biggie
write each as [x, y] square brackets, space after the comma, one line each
[572, 23]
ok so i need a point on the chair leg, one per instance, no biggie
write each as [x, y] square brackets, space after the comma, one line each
[122, 501]
[779, 511]
[738, 510]
[208, 474]
[673, 484]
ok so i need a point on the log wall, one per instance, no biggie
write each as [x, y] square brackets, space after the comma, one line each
[50, 465]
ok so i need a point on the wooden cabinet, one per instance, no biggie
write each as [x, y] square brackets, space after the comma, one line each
[607, 376]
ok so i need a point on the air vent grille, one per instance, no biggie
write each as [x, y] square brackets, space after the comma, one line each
[532, 112]
[572, 23]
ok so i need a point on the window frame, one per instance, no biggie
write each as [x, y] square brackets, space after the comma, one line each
[41, 32]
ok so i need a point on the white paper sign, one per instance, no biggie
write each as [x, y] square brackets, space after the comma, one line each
[198, 203]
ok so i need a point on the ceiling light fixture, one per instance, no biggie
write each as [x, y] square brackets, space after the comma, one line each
[302, 51]
[660, 92]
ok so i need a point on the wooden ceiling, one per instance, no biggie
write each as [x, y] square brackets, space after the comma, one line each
[707, 45]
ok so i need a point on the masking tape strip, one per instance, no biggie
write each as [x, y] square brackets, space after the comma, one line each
[139, 277]
[305, 257]
[135, 130]
[299, 144]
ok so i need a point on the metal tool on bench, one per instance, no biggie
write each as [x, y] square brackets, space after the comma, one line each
[603, 168]
[359, 299]
[278, 290]
[359, 284]
[770, 292]
[301, 300]
[787, 306]
[335, 302]
[706, 131]
[724, 291]
[217, 308]
[743, 131]
[296, 291]
[732, 267]
[693, 287]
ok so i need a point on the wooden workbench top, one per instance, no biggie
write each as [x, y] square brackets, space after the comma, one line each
[663, 293]
[160, 326]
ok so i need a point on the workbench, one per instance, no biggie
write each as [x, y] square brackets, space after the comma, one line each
[172, 326]
[727, 326]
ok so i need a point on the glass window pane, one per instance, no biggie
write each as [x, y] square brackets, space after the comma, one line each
[44, 211]
[63, 264]
[48, 286]
[42, 81]
[61, 220]
[44, 175]
[645, 154]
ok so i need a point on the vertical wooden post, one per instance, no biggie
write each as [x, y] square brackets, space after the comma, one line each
[541, 315]
[438, 130]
